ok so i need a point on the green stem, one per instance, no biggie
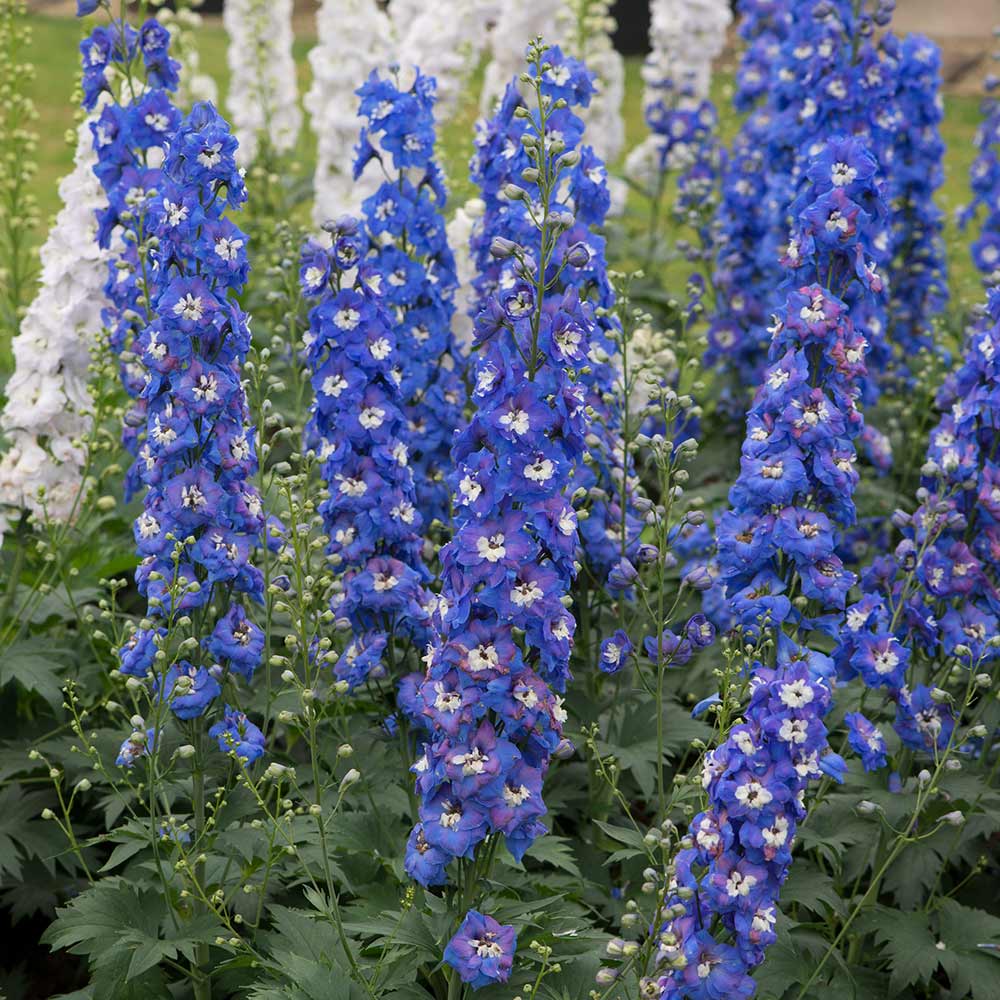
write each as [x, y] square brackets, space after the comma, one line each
[201, 978]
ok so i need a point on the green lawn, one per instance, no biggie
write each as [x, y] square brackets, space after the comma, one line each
[54, 53]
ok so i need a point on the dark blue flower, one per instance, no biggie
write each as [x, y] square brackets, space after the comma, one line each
[237, 734]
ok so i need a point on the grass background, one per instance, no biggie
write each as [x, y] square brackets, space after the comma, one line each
[53, 51]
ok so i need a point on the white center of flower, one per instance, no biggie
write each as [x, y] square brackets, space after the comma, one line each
[371, 417]
[525, 593]
[210, 156]
[753, 794]
[333, 385]
[190, 307]
[516, 421]
[842, 174]
[347, 319]
[540, 471]
[228, 248]
[491, 549]
[380, 349]
[796, 694]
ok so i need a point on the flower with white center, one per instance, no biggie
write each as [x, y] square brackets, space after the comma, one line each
[525, 593]
[516, 421]
[797, 694]
[491, 549]
[189, 307]
[753, 795]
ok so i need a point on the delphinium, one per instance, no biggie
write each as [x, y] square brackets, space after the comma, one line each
[129, 139]
[922, 640]
[762, 26]
[917, 275]
[827, 76]
[17, 167]
[583, 201]
[786, 585]
[49, 404]
[262, 101]
[984, 179]
[933, 600]
[352, 39]
[201, 515]
[409, 250]
[737, 336]
[186, 662]
[358, 428]
[490, 699]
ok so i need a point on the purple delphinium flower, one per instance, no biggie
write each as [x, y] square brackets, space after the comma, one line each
[866, 741]
[236, 733]
[482, 950]
[201, 517]
[577, 268]
[129, 138]
[408, 247]
[794, 491]
[359, 427]
[488, 701]
[935, 594]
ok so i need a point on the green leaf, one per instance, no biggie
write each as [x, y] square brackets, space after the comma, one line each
[907, 941]
[556, 851]
[622, 834]
[972, 969]
[119, 929]
[130, 844]
[807, 885]
[37, 666]
[782, 968]
[22, 833]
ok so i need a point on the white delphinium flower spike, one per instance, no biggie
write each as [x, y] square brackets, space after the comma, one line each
[584, 31]
[518, 21]
[263, 100]
[686, 37]
[354, 37]
[444, 39]
[463, 224]
[48, 402]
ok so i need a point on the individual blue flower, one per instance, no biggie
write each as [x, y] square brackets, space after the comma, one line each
[137, 657]
[615, 651]
[237, 734]
[866, 741]
[237, 642]
[482, 950]
[922, 723]
[189, 690]
[137, 745]
[425, 863]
